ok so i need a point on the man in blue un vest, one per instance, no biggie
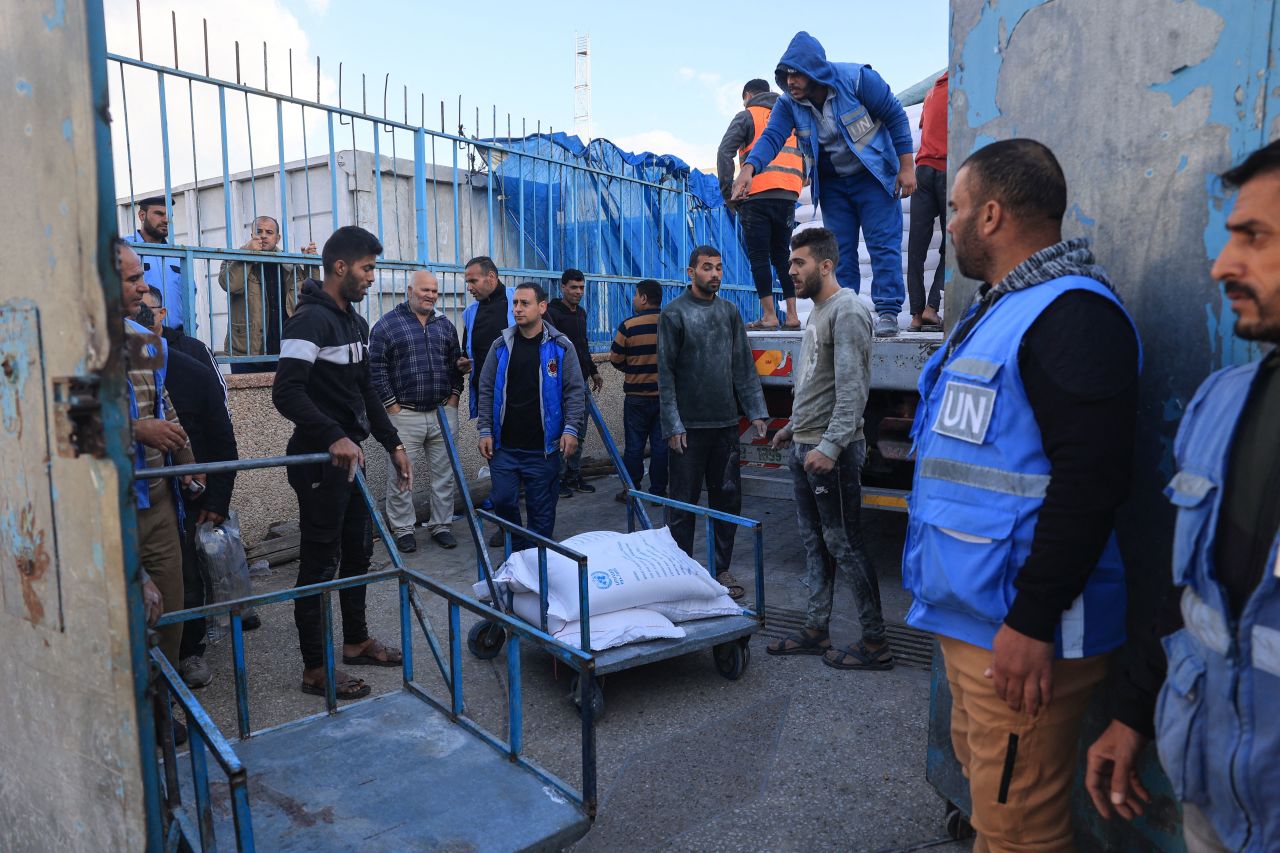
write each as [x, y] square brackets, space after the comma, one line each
[1215, 724]
[1024, 440]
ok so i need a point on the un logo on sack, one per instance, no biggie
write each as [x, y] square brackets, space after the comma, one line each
[602, 580]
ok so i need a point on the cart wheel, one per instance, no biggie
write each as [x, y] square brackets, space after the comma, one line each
[731, 659]
[597, 697]
[958, 826]
[485, 639]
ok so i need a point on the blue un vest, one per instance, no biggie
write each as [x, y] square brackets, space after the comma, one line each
[980, 479]
[142, 488]
[551, 357]
[1216, 724]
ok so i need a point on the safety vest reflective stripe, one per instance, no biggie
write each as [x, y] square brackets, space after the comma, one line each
[979, 368]
[982, 477]
[784, 172]
[1204, 622]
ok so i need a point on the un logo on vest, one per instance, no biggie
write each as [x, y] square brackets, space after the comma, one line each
[965, 412]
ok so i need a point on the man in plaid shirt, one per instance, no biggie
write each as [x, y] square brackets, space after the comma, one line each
[414, 357]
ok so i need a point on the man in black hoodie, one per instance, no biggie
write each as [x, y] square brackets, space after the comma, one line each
[569, 318]
[323, 385]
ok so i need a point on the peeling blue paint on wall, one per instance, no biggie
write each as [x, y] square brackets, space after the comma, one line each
[1234, 87]
[23, 87]
[59, 17]
[67, 131]
[978, 75]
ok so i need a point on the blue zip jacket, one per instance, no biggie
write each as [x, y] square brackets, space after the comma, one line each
[165, 275]
[872, 122]
[981, 476]
[563, 392]
[1216, 716]
[469, 325]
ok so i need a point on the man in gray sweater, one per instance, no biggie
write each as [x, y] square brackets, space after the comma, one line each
[827, 456]
[705, 372]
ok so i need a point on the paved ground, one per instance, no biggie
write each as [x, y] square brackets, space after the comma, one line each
[794, 756]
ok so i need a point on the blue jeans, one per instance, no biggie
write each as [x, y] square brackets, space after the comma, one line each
[860, 203]
[540, 475]
[641, 423]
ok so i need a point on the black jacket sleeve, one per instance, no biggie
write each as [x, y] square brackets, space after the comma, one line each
[1140, 667]
[198, 398]
[220, 439]
[453, 352]
[739, 133]
[1079, 364]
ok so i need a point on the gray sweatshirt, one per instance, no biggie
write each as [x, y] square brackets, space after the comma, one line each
[705, 367]
[837, 342]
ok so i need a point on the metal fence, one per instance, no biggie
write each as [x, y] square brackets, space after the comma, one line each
[536, 202]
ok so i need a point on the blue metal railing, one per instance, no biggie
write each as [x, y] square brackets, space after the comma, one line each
[205, 735]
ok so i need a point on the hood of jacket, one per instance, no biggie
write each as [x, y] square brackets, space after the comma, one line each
[1067, 257]
[806, 55]
[549, 333]
[312, 293]
[763, 99]
[560, 305]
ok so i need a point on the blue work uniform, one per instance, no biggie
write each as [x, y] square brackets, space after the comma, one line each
[165, 274]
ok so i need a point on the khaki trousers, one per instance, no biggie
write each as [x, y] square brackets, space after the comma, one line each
[423, 440]
[1020, 768]
[160, 553]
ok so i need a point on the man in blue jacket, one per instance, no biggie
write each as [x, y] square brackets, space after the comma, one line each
[857, 140]
[532, 410]
[1024, 443]
[1215, 722]
[160, 271]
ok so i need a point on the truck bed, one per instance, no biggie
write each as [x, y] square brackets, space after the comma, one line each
[895, 362]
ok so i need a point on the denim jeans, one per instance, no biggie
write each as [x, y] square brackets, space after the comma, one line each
[766, 229]
[710, 456]
[827, 509]
[641, 422]
[337, 539]
[859, 203]
[928, 203]
[571, 465]
[540, 475]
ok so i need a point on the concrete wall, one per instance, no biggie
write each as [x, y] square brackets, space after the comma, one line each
[1142, 103]
[263, 497]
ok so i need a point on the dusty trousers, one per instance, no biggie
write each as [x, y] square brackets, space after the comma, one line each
[711, 456]
[160, 553]
[1020, 768]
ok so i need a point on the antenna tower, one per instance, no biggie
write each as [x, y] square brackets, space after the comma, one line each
[582, 86]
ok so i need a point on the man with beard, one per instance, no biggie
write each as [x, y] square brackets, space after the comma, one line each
[161, 272]
[705, 372]
[857, 140]
[323, 385]
[1216, 730]
[1024, 441]
[827, 456]
[569, 316]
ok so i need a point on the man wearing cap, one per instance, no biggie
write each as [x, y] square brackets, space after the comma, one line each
[160, 271]
[857, 139]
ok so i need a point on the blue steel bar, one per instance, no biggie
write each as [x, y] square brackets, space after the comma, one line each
[551, 216]
[515, 707]
[326, 622]
[377, 176]
[420, 194]
[128, 146]
[584, 606]
[200, 784]
[189, 289]
[488, 190]
[585, 681]
[164, 150]
[457, 231]
[455, 659]
[283, 194]
[171, 682]
[162, 703]
[253, 171]
[233, 465]
[711, 546]
[535, 538]
[483, 567]
[707, 512]
[432, 643]
[543, 587]
[264, 598]
[520, 172]
[241, 673]
[226, 167]
[240, 812]
[406, 632]
[333, 172]
[759, 549]
[612, 449]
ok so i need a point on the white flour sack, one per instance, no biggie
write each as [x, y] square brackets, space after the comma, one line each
[608, 629]
[632, 570]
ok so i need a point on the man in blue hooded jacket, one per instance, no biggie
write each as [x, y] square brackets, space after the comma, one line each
[857, 140]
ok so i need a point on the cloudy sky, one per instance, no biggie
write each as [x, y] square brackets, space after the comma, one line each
[665, 76]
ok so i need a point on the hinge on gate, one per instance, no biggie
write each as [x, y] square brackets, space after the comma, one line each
[78, 417]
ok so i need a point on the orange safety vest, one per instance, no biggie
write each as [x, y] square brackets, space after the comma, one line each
[784, 172]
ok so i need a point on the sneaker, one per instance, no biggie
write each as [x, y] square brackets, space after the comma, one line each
[251, 622]
[581, 485]
[179, 733]
[194, 671]
[886, 326]
[406, 544]
[444, 539]
[498, 539]
[565, 490]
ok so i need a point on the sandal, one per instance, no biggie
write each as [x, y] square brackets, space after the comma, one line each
[759, 326]
[791, 327]
[345, 686]
[736, 590]
[801, 643]
[859, 657]
[369, 657]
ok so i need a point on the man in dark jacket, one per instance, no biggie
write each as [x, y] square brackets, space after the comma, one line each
[768, 213]
[199, 398]
[177, 339]
[323, 385]
[568, 316]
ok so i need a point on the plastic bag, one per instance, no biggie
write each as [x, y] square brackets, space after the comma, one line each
[221, 558]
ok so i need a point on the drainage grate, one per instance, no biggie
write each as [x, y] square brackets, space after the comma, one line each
[910, 647]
